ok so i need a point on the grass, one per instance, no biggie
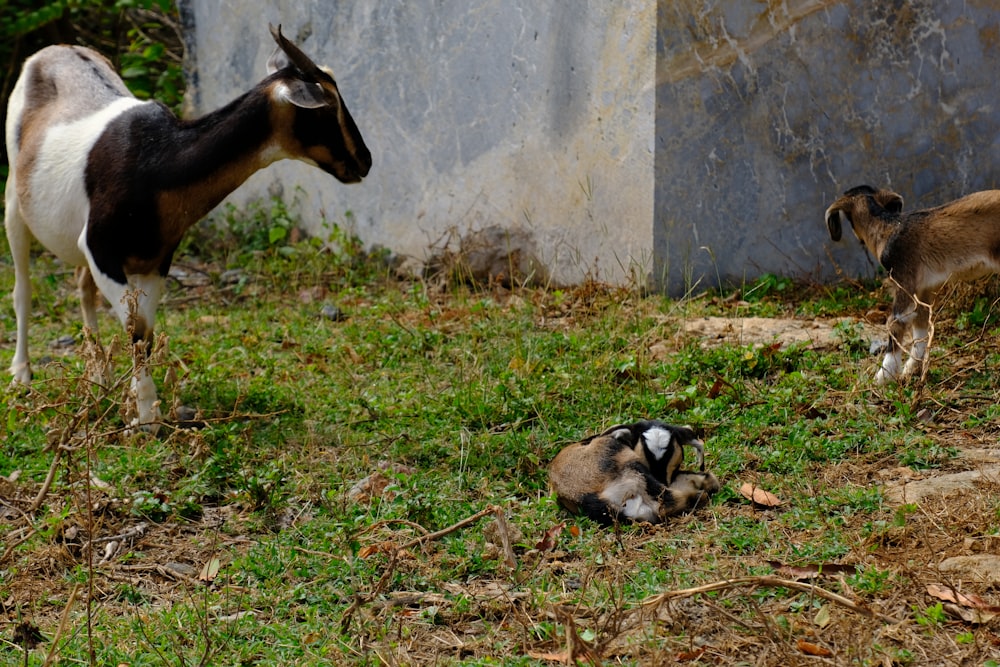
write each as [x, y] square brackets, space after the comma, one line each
[297, 526]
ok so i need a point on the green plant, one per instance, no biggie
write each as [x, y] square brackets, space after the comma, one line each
[140, 36]
[930, 617]
[339, 501]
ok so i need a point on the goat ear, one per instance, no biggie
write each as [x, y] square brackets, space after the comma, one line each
[890, 201]
[277, 61]
[303, 94]
[833, 223]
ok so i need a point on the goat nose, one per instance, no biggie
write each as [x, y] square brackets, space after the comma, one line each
[364, 162]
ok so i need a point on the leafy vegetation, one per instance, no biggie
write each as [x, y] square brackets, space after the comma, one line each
[141, 37]
[344, 415]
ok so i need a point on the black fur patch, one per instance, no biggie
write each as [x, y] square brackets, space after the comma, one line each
[146, 150]
[860, 190]
[597, 510]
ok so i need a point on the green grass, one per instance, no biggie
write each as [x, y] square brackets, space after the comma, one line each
[455, 398]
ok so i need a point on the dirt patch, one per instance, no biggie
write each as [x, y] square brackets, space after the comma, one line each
[817, 334]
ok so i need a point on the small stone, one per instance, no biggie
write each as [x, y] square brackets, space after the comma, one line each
[185, 413]
[182, 568]
[984, 568]
[232, 276]
[333, 313]
[63, 342]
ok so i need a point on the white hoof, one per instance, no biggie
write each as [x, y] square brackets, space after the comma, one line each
[21, 373]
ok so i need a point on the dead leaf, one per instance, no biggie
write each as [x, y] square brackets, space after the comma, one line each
[759, 496]
[822, 618]
[970, 600]
[974, 616]
[687, 656]
[814, 649]
[369, 550]
[548, 541]
[210, 569]
[717, 388]
[561, 656]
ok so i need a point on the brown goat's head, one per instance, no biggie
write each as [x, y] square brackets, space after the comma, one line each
[864, 199]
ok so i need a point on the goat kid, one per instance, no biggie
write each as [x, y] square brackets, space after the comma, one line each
[921, 250]
[110, 184]
[631, 472]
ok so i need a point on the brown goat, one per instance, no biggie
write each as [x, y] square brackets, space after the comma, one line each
[921, 250]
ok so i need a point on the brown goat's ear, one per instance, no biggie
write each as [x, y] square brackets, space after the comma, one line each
[833, 223]
[889, 200]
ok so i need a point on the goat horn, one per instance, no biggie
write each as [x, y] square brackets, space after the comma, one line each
[294, 53]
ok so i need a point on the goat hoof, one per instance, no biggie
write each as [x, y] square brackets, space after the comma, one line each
[22, 374]
[883, 378]
[150, 425]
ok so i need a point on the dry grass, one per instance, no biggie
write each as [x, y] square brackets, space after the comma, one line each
[451, 552]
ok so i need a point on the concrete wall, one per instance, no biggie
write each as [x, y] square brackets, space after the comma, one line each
[535, 116]
[767, 111]
[679, 141]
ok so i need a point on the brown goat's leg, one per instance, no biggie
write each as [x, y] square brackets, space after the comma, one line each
[919, 336]
[903, 313]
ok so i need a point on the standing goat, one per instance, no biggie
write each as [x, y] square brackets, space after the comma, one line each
[921, 250]
[110, 184]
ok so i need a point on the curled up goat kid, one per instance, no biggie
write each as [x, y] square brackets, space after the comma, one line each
[110, 184]
[921, 251]
[632, 472]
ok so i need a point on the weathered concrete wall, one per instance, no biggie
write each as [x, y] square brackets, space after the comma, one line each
[767, 111]
[682, 141]
[536, 116]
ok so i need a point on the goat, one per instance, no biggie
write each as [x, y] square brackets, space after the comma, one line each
[110, 184]
[631, 472]
[921, 250]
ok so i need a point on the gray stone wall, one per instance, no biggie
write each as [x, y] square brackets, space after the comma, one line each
[678, 142]
[767, 112]
[536, 117]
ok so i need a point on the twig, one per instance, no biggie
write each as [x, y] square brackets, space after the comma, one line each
[394, 554]
[775, 582]
[63, 624]
[46, 485]
[490, 509]
[385, 522]
[9, 550]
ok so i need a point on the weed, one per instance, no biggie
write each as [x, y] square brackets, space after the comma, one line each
[327, 445]
[930, 617]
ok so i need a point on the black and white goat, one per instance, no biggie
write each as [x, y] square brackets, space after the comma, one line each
[631, 472]
[921, 250]
[110, 184]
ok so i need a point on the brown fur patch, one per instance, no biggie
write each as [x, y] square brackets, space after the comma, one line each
[61, 84]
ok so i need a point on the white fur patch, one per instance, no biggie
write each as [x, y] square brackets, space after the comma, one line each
[628, 495]
[890, 371]
[58, 208]
[637, 509]
[658, 441]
